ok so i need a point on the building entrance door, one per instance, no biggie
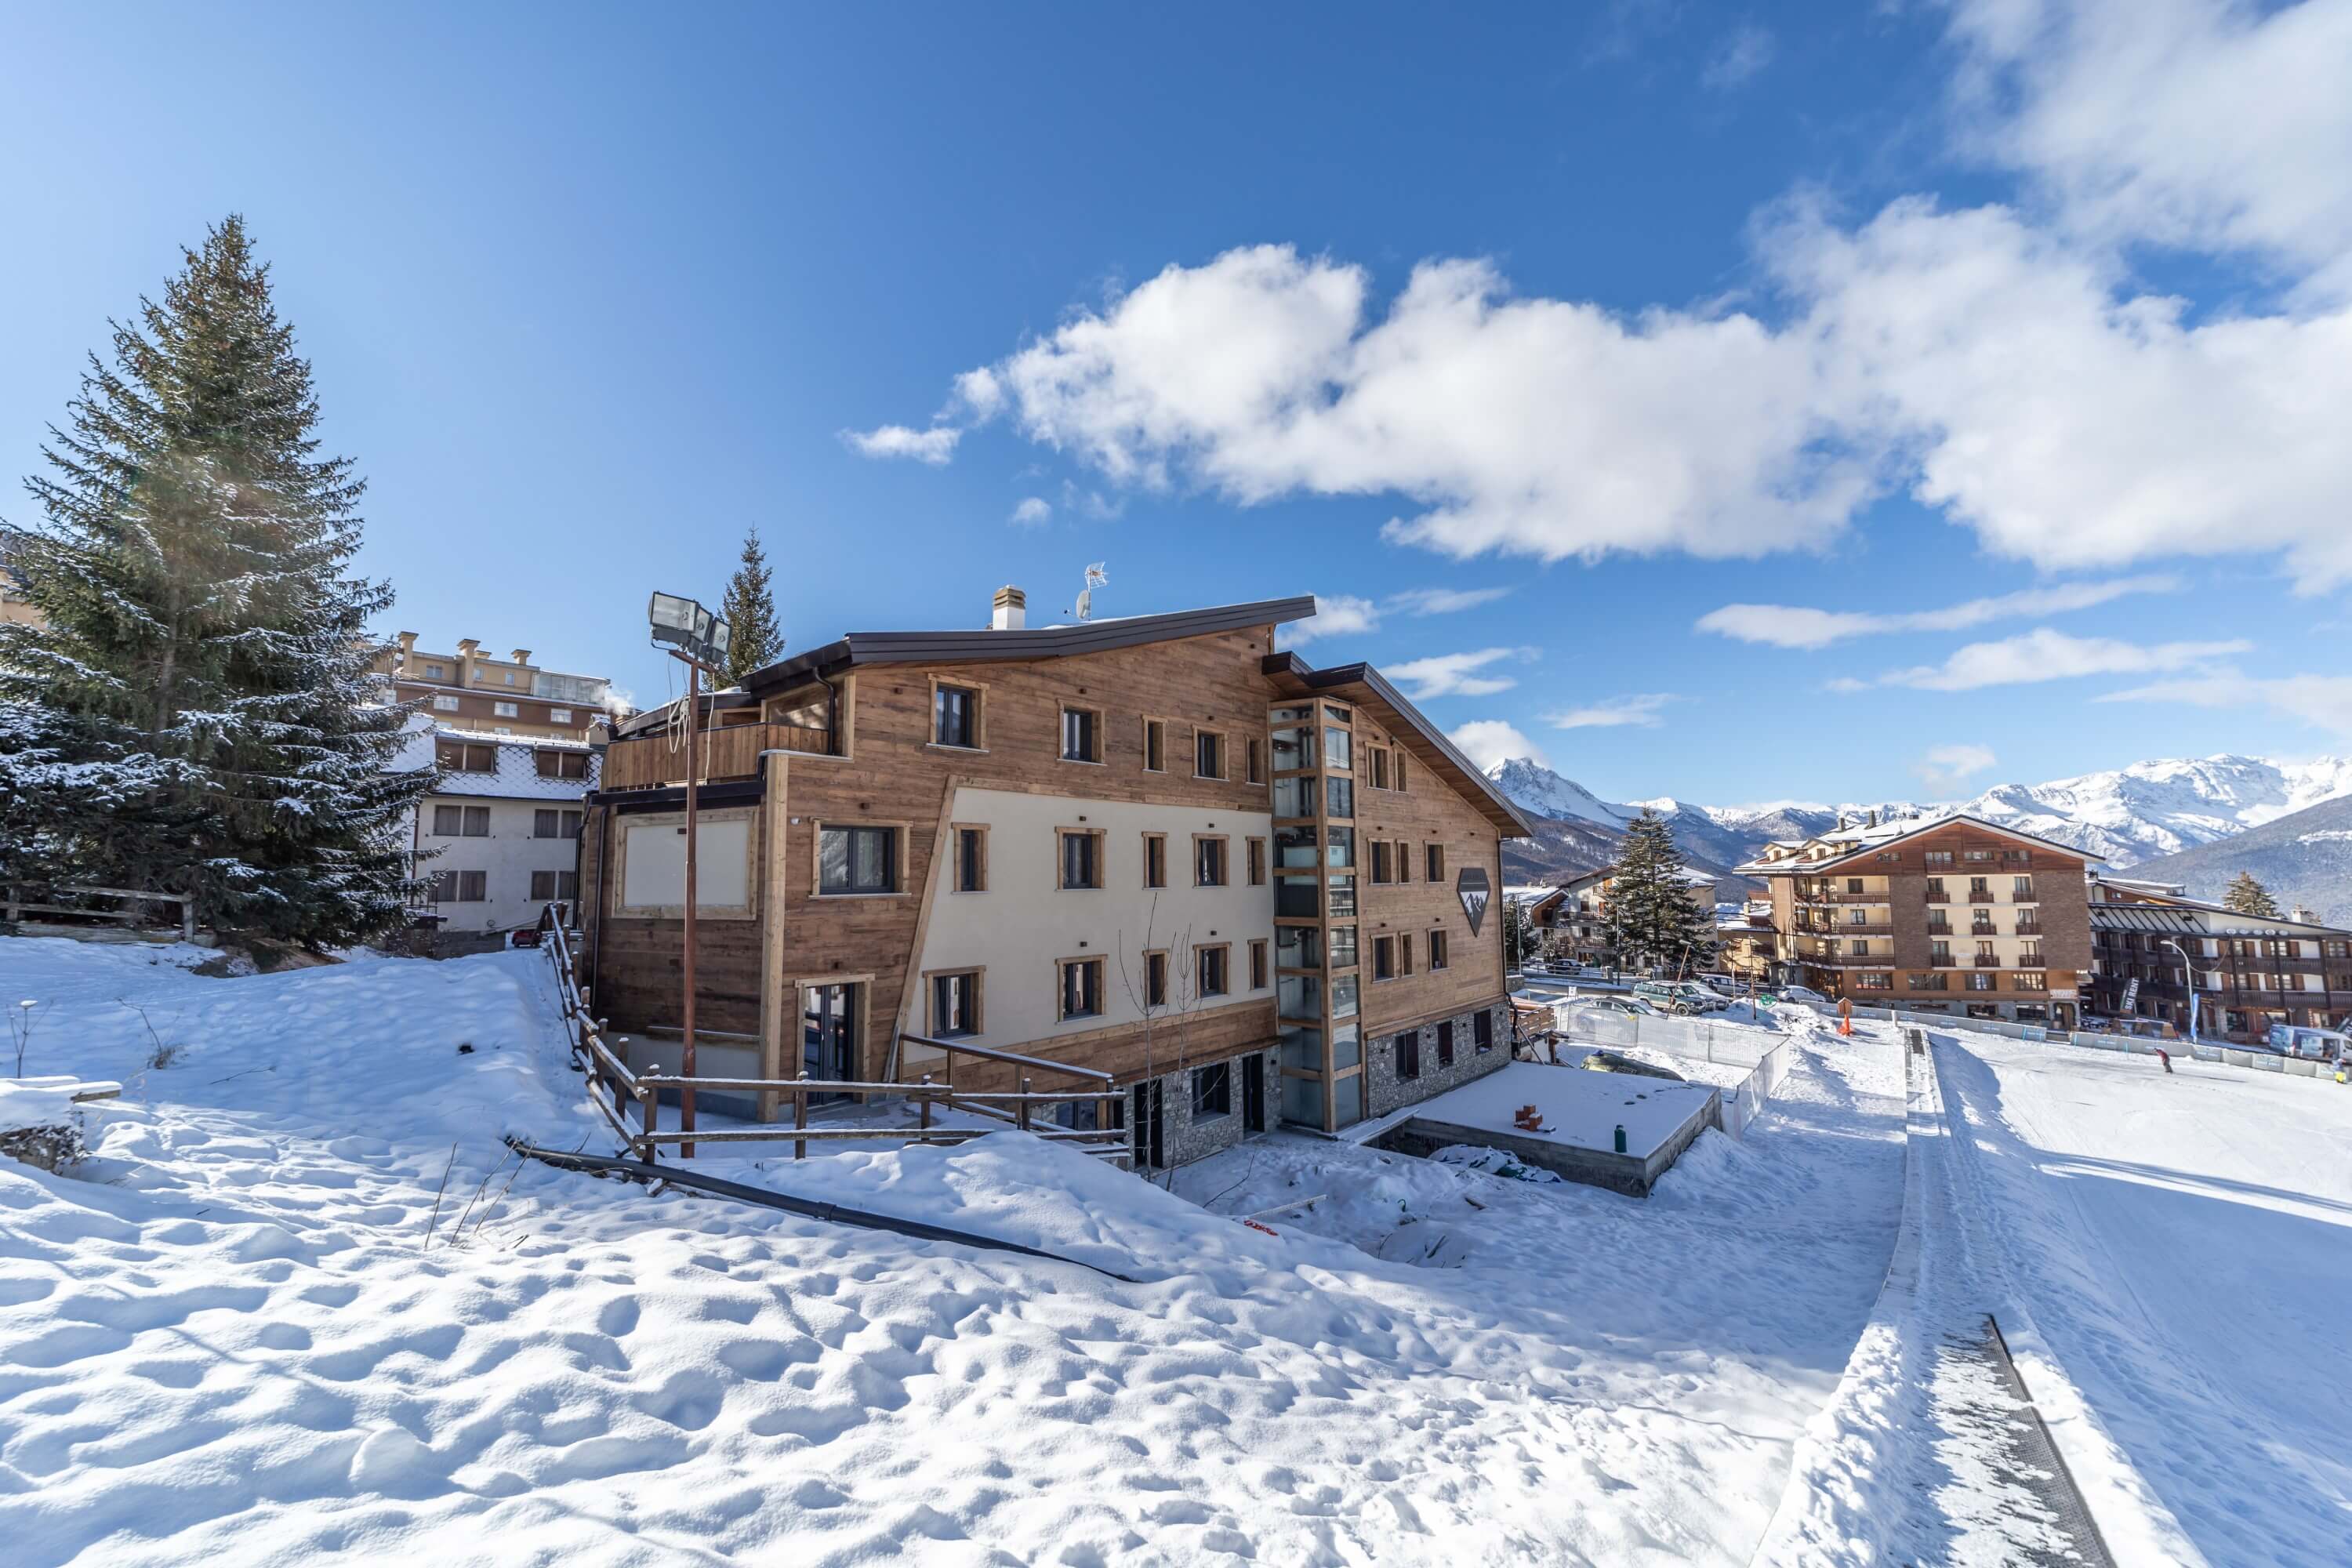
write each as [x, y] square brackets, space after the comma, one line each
[1252, 1094]
[1148, 1126]
[829, 1030]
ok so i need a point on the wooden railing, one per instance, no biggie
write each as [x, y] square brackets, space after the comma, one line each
[732, 752]
[130, 912]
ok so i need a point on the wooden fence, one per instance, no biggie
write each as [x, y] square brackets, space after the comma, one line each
[732, 752]
[130, 912]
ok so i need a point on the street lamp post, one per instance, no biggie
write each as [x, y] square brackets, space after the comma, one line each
[2189, 975]
[698, 639]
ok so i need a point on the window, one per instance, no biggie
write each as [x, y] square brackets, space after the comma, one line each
[1860, 947]
[857, 859]
[1256, 764]
[1377, 761]
[1400, 771]
[1979, 891]
[1081, 857]
[445, 704]
[970, 860]
[1257, 862]
[460, 887]
[1408, 1049]
[1404, 955]
[1445, 1043]
[1208, 755]
[435, 672]
[1978, 980]
[1340, 797]
[552, 885]
[547, 823]
[1935, 894]
[559, 715]
[1934, 858]
[1853, 883]
[1155, 746]
[2022, 889]
[456, 757]
[477, 822]
[1437, 949]
[1212, 1091]
[1337, 747]
[1213, 970]
[1155, 859]
[1976, 857]
[507, 710]
[1857, 915]
[2032, 980]
[1155, 980]
[1081, 987]
[1257, 963]
[1481, 1030]
[1384, 958]
[1081, 735]
[563, 764]
[1208, 862]
[1435, 855]
[1875, 980]
[1381, 866]
[955, 1004]
[955, 716]
[449, 821]
[1404, 861]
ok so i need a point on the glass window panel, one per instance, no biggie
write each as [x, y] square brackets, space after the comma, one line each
[1305, 715]
[1338, 749]
[1338, 715]
[1301, 996]
[1342, 940]
[1343, 896]
[1343, 996]
[1302, 1045]
[1339, 846]
[1293, 748]
[1294, 847]
[1302, 1100]
[1297, 947]
[1347, 1045]
[1296, 896]
[1347, 1100]
[1295, 796]
[1341, 795]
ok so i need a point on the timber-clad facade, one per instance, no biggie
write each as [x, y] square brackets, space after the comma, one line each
[1080, 843]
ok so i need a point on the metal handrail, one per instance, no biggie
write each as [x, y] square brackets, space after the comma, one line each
[990, 1053]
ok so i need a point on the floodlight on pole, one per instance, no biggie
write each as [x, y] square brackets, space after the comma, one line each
[698, 639]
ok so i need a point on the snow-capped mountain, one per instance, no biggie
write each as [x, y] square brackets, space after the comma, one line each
[2127, 814]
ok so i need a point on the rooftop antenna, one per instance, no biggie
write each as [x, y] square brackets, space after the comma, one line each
[1095, 578]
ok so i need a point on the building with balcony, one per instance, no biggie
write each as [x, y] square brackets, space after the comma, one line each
[498, 838]
[1252, 890]
[1951, 915]
[2151, 943]
[1573, 918]
[472, 689]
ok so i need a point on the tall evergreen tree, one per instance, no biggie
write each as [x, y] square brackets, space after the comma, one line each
[2248, 897]
[200, 714]
[749, 608]
[1651, 917]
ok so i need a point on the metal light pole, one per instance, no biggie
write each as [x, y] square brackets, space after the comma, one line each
[2188, 975]
[697, 639]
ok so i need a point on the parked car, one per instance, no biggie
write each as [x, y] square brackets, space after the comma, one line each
[1633, 1007]
[1804, 993]
[1685, 996]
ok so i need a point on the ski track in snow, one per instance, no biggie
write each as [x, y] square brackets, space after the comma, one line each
[223, 1339]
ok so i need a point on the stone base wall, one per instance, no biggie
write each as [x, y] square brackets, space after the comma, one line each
[1183, 1139]
[1384, 1091]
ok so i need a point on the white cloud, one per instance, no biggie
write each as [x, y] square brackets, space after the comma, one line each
[1336, 615]
[1746, 50]
[1640, 709]
[1486, 741]
[2322, 700]
[2046, 655]
[1033, 511]
[1442, 601]
[1342, 613]
[1944, 769]
[934, 445]
[2208, 124]
[1456, 674]
[1793, 625]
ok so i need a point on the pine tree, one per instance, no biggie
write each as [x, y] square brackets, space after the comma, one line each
[750, 609]
[2248, 897]
[1651, 918]
[200, 714]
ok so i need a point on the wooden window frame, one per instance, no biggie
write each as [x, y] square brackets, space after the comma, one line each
[1156, 976]
[1398, 770]
[1061, 861]
[1061, 715]
[1383, 867]
[1151, 841]
[1150, 724]
[1408, 1055]
[754, 880]
[1255, 751]
[956, 830]
[1201, 954]
[1061, 987]
[1225, 843]
[1224, 752]
[1258, 854]
[979, 973]
[1379, 964]
[1404, 955]
[1439, 958]
[1261, 962]
[1444, 1043]
[978, 689]
[1433, 861]
[899, 848]
[455, 816]
[1376, 777]
[1404, 863]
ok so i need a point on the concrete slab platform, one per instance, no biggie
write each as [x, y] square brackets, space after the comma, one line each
[1581, 1112]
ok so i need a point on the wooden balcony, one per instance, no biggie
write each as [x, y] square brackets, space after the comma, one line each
[1988, 960]
[728, 753]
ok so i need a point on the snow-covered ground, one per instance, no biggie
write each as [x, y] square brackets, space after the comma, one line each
[298, 1303]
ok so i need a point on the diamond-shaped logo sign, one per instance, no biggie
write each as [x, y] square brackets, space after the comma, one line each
[1472, 888]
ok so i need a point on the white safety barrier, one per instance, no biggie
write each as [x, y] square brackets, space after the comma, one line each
[1766, 1054]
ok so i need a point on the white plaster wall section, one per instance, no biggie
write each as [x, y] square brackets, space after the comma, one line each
[1024, 920]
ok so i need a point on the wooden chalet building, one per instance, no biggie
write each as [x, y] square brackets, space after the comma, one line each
[1253, 890]
[1949, 915]
[2250, 972]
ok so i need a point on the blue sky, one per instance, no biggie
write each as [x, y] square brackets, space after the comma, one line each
[1530, 341]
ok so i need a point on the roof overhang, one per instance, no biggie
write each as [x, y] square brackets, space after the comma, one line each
[1876, 846]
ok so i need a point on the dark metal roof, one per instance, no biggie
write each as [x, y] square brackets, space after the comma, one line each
[1499, 807]
[2144, 917]
[1041, 642]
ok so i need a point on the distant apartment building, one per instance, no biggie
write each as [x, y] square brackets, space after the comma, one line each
[2250, 972]
[471, 690]
[1573, 918]
[16, 602]
[1746, 944]
[497, 840]
[1955, 915]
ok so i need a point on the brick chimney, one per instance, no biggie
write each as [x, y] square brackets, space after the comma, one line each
[1010, 612]
[522, 655]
